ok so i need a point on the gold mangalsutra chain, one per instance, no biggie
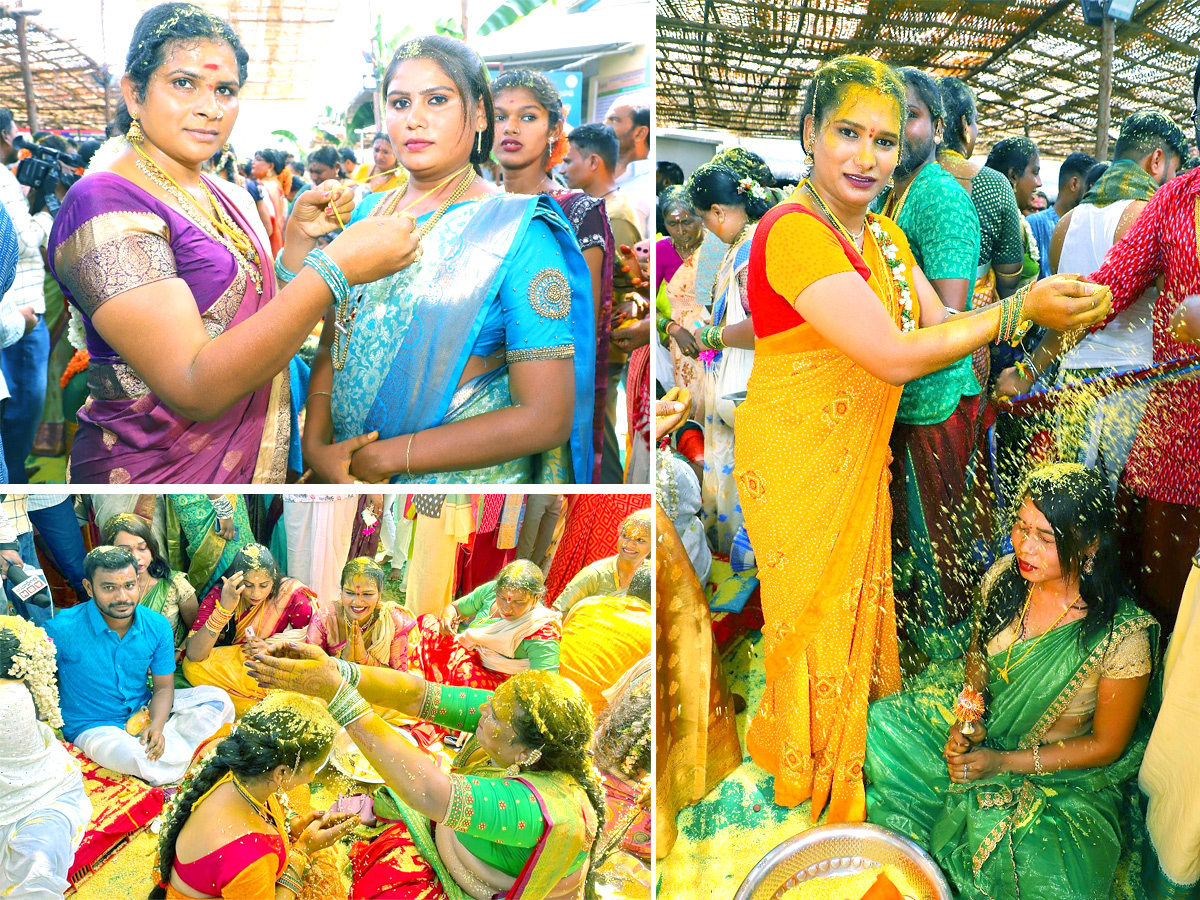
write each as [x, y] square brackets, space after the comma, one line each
[254, 802]
[344, 314]
[837, 223]
[226, 232]
[1007, 667]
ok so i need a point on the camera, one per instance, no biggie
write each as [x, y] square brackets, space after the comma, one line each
[42, 171]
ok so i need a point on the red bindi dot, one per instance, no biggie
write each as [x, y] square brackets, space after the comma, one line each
[212, 66]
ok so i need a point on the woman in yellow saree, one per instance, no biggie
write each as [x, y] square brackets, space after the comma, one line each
[836, 300]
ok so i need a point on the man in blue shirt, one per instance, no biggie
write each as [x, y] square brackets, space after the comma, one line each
[107, 650]
[1072, 178]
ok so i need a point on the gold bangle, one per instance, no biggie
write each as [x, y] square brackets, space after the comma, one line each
[408, 456]
[1037, 760]
[318, 394]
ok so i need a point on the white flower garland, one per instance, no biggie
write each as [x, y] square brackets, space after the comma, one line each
[891, 255]
[753, 188]
[34, 664]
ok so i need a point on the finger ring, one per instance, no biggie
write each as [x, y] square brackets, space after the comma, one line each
[964, 771]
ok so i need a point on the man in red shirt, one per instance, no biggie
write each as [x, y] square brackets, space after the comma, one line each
[1160, 495]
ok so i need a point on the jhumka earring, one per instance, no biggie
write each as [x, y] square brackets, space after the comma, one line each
[891, 183]
[135, 135]
[808, 159]
[514, 770]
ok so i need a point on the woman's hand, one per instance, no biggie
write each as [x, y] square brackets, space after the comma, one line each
[1010, 384]
[1067, 302]
[331, 463]
[450, 621]
[978, 765]
[314, 211]
[959, 743]
[376, 247]
[672, 411]
[302, 668]
[226, 529]
[231, 590]
[326, 831]
[684, 340]
[366, 465]
[302, 822]
[1185, 321]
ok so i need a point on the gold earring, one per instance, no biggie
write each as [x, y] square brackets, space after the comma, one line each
[514, 770]
[808, 159]
[135, 135]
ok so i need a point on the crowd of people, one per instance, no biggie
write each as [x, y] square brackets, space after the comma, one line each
[514, 633]
[463, 307]
[952, 452]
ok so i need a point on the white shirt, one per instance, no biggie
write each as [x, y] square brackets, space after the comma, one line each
[637, 183]
[33, 232]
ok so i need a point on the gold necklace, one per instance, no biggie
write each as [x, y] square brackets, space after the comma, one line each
[837, 223]
[258, 806]
[346, 310]
[221, 227]
[1008, 666]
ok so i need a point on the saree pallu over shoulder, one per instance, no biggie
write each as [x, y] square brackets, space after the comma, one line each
[1050, 837]
[811, 457]
[111, 236]
[415, 330]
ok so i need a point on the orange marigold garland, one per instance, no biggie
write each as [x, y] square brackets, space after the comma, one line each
[969, 708]
[78, 363]
[558, 151]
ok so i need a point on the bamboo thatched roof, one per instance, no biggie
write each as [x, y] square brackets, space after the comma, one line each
[742, 65]
[68, 85]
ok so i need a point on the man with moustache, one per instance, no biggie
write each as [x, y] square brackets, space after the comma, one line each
[935, 432]
[106, 649]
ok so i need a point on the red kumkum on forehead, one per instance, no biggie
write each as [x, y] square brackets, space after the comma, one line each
[212, 66]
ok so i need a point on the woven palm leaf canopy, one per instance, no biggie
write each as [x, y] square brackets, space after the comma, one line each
[1037, 69]
[66, 86]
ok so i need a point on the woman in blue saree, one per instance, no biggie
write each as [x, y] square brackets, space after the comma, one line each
[1031, 805]
[476, 366]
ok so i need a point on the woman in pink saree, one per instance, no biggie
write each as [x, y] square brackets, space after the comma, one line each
[189, 339]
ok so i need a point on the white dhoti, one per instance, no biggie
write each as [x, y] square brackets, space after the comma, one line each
[196, 715]
[36, 852]
[318, 541]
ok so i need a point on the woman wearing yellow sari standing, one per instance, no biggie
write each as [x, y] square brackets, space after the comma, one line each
[836, 300]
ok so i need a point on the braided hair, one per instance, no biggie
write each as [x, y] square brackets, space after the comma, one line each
[162, 25]
[550, 714]
[623, 732]
[283, 730]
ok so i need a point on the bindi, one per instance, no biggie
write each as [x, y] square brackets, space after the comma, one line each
[211, 66]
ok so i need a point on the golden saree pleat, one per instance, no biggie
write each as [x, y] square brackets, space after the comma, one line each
[696, 743]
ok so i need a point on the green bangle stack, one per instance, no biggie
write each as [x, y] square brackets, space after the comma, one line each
[1012, 329]
[711, 338]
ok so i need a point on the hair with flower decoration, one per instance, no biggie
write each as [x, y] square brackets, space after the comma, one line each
[550, 714]
[1078, 504]
[166, 24]
[285, 729]
[466, 69]
[623, 731]
[735, 177]
[27, 654]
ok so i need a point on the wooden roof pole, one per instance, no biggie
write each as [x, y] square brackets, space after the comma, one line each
[1104, 100]
[26, 73]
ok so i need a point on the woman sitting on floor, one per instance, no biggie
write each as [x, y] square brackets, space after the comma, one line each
[498, 629]
[611, 575]
[44, 809]
[159, 587]
[362, 627]
[1030, 803]
[520, 810]
[253, 606]
[225, 833]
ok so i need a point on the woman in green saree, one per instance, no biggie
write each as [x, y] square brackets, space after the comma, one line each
[206, 530]
[160, 588]
[1029, 805]
[518, 814]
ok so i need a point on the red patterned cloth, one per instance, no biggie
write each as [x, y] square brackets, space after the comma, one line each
[590, 534]
[637, 395]
[1164, 463]
[121, 807]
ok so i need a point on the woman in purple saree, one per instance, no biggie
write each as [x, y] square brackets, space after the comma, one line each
[188, 337]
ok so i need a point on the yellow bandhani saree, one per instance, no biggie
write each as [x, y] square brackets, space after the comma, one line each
[811, 463]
